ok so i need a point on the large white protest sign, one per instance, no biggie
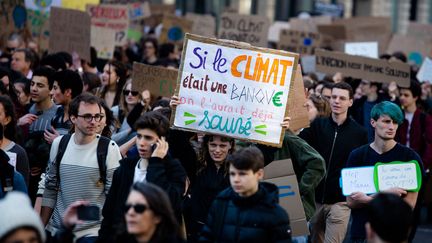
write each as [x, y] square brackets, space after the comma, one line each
[425, 72]
[358, 179]
[366, 49]
[234, 90]
[405, 175]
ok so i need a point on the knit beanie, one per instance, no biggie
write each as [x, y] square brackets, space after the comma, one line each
[16, 212]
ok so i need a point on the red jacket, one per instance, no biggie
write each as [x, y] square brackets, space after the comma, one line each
[420, 136]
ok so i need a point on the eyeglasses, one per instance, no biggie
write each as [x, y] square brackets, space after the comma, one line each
[126, 92]
[90, 117]
[138, 208]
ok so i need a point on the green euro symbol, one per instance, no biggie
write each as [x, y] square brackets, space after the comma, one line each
[276, 99]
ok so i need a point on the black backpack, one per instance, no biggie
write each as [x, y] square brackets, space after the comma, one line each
[102, 151]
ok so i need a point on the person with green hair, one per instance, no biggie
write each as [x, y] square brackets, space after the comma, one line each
[385, 119]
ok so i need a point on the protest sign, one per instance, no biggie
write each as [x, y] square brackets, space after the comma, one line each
[159, 81]
[138, 11]
[111, 16]
[366, 49]
[309, 24]
[362, 67]
[251, 29]
[296, 109]
[174, 29]
[103, 40]
[425, 72]
[368, 29]
[415, 49]
[38, 23]
[282, 174]
[405, 175]
[44, 6]
[419, 31]
[300, 41]
[70, 32]
[275, 29]
[337, 32]
[162, 9]
[329, 9]
[13, 16]
[204, 25]
[78, 4]
[358, 179]
[233, 89]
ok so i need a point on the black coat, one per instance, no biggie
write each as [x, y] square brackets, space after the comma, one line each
[167, 173]
[257, 218]
[334, 143]
[208, 184]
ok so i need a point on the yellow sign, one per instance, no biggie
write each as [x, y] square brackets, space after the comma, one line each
[78, 4]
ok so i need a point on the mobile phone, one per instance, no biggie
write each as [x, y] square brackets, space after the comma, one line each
[88, 213]
[153, 147]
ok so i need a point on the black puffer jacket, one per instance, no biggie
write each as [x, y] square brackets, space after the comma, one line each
[257, 218]
[167, 174]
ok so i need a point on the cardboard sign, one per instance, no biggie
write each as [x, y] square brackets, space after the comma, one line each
[174, 28]
[362, 67]
[70, 32]
[44, 6]
[366, 29]
[358, 179]
[103, 40]
[233, 89]
[337, 32]
[405, 175]
[296, 109]
[310, 24]
[139, 11]
[282, 174]
[204, 25]
[425, 72]
[111, 16]
[415, 49]
[419, 31]
[12, 16]
[78, 4]
[38, 23]
[251, 29]
[159, 81]
[275, 29]
[299, 41]
[365, 49]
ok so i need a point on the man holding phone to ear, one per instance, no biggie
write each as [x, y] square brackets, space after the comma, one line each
[154, 165]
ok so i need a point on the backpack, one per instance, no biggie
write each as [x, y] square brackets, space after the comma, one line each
[101, 154]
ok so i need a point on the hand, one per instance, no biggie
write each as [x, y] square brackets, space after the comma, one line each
[161, 148]
[50, 135]
[174, 102]
[27, 119]
[70, 216]
[397, 191]
[35, 171]
[359, 197]
[285, 123]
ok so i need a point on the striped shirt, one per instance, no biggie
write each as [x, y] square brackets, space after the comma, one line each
[79, 176]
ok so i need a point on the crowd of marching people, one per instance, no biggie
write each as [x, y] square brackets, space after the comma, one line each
[75, 136]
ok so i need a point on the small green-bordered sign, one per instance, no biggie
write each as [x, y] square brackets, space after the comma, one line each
[405, 175]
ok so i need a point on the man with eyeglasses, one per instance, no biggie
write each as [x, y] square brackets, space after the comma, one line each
[79, 175]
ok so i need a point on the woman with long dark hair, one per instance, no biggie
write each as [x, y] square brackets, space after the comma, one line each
[113, 78]
[212, 177]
